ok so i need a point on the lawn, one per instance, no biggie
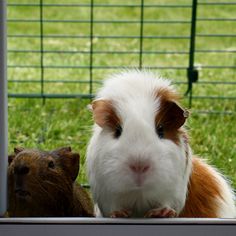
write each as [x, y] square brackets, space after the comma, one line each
[52, 123]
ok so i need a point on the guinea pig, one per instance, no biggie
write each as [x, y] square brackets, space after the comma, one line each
[139, 161]
[42, 184]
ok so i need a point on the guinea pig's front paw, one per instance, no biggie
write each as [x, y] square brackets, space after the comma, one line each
[120, 214]
[161, 213]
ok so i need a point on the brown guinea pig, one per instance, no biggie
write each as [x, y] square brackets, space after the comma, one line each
[42, 184]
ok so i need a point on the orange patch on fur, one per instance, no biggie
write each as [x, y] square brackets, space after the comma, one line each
[203, 191]
[168, 95]
[104, 114]
[170, 115]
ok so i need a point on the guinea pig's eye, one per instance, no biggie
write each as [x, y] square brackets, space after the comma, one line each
[160, 131]
[51, 165]
[118, 131]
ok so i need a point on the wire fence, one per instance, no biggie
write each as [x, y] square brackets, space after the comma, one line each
[63, 50]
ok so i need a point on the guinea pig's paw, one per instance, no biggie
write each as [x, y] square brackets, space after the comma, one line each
[120, 214]
[161, 213]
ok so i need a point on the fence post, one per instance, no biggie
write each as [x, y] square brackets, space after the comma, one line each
[192, 72]
[91, 49]
[42, 51]
[3, 110]
[141, 35]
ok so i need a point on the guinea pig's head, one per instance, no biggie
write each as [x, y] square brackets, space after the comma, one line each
[40, 183]
[138, 140]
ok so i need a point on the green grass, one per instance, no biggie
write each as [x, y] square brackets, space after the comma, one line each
[62, 122]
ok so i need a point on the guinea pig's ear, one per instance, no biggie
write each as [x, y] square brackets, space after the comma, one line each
[63, 150]
[104, 113]
[18, 150]
[11, 158]
[171, 115]
[70, 161]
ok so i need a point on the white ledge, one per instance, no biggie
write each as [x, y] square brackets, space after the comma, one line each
[112, 221]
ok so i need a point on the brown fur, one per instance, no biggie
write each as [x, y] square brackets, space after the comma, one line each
[170, 115]
[203, 190]
[105, 114]
[167, 94]
[47, 191]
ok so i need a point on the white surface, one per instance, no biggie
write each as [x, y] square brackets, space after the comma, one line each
[74, 220]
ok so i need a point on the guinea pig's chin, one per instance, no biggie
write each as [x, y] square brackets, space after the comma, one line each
[23, 195]
[139, 181]
[134, 187]
[135, 183]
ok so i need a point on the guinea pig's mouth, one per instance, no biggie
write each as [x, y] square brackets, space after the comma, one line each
[22, 193]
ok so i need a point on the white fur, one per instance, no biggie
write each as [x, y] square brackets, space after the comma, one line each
[112, 183]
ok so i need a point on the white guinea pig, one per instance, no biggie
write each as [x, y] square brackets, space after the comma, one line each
[139, 161]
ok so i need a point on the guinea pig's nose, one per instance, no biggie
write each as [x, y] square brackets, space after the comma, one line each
[21, 169]
[139, 168]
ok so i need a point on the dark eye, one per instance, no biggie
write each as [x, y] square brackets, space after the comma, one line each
[160, 131]
[51, 165]
[118, 131]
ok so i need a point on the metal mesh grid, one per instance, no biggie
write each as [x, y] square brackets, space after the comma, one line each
[215, 56]
[65, 49]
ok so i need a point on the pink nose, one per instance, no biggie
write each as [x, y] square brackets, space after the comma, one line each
[139, 168]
